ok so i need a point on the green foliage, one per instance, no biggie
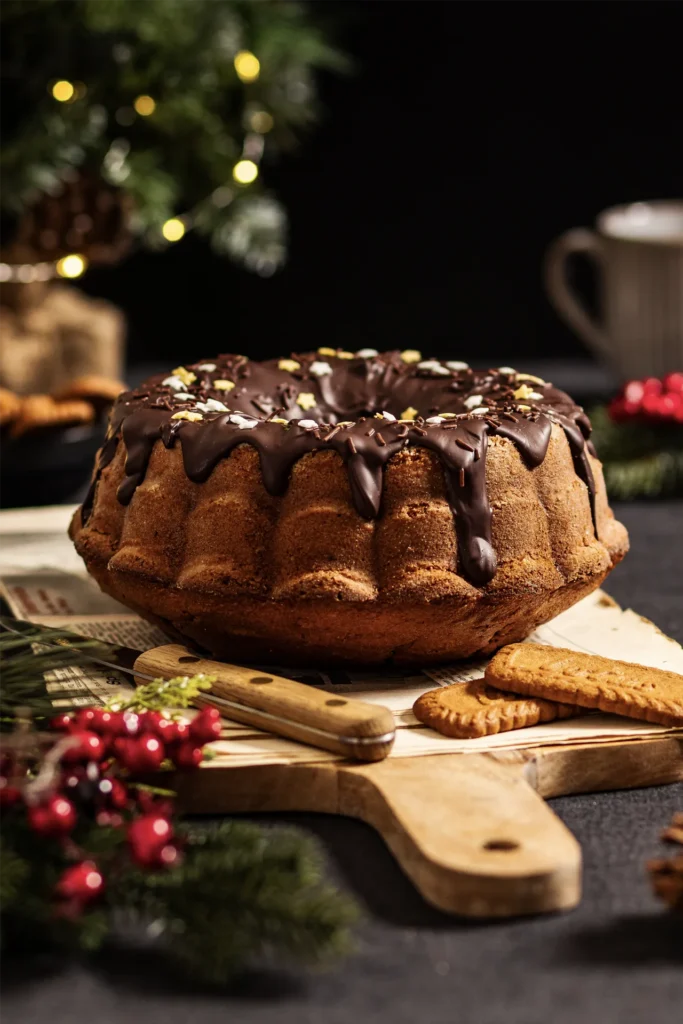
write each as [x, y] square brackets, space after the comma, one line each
[181, 53]
[240, 893]
[639, 461]
[161, 694]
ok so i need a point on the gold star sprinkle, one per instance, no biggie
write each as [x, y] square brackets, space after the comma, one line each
[345, 355]
[223, 385]
[186, 376]
[326, 352]
[523, 391]
[411, 355]
[279, 419]
[289, 365]
[524, 408]
[409, 413]
[306, 400]
[530, 376]
[185, 414]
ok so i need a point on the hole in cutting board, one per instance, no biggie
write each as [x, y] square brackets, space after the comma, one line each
[260, 680]
[335, 702]
[187, 658]
[501, 845]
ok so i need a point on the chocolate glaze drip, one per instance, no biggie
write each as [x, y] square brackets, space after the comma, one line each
[341, 399]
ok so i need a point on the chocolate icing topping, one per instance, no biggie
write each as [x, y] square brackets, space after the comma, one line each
[365, 409]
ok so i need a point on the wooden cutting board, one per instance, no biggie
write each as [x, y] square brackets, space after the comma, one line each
[466, 820]
[472, 831]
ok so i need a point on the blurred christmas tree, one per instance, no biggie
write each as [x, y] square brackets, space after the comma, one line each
[143, 119]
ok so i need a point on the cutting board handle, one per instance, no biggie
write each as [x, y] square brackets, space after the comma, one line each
[470, 832]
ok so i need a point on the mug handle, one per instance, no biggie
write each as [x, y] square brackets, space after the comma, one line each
[565, 301]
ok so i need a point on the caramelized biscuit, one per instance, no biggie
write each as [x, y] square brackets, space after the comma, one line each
[10, 406]
[473, 709]
[93, 388]
[618, 687]
[41, 411]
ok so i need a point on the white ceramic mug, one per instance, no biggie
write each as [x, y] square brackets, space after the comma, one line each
[639, 252]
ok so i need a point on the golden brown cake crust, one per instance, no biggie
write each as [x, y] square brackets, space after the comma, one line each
[301, 577]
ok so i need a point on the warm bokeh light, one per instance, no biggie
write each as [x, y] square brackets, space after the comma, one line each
[144, 106]
[261, 121]
[245, 171]
[173, 230]
[247, 66]
[71, 266]
[63, 91]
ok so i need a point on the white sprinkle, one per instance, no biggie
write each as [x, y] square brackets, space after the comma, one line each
[433, 366]
[473, 401]
[506, 369]
[455, 364]
[434, 419]
[241, 422]
[307, 424]
[319, 368]
[481, 411]
[389, 416]
[174, 382]
[367, 353]
[209, 367]
[535, 395]
[180, 396]
[212, 405]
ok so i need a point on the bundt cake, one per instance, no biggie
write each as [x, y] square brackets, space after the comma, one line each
[336, 507]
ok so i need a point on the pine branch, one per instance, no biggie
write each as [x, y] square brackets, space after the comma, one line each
[639, 460]
[240, 894]
[175, 158]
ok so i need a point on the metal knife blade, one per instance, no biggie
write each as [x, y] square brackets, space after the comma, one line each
[99, 652]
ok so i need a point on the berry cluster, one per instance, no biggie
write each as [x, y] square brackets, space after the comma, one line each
[651, 401]
[97, 752]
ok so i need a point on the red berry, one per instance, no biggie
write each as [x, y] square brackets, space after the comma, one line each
[99, 720]
[140, 754]
[88, 746]
[206, 726]
[147, 836]
[62, 722]
[149, 721]
[55, 817]
[652, 405]
[131, 724]
[652, 386]
[82, 882]
[9, 794]
[634, 391]
[114, 792]
[674, 382]
[110, 818]
[187, 755]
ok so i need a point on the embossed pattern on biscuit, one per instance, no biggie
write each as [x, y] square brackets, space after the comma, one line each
[475, 708]
[591, 681]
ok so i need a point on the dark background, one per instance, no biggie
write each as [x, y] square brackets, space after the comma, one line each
[470, 135]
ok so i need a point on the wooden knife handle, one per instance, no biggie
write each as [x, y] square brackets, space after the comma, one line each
[364, 732]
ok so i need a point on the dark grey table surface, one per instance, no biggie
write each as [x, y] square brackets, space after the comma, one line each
[617, 958]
